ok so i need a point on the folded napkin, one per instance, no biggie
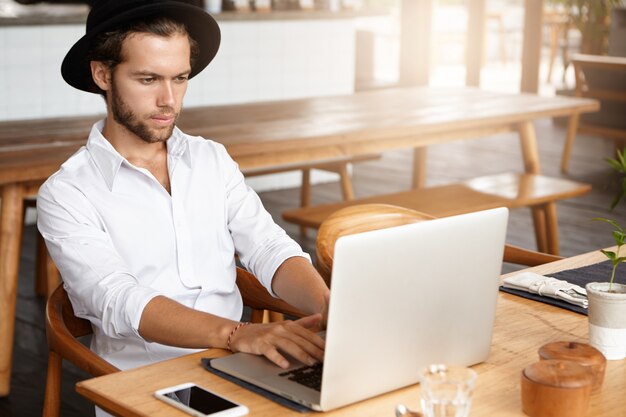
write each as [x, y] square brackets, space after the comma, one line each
[547, 286]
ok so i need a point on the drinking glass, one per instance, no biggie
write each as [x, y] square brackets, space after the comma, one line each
[446, 391]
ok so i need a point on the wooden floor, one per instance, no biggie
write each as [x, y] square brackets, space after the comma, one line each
[445, 163]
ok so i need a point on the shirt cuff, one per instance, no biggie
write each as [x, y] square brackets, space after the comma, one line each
[136, 302]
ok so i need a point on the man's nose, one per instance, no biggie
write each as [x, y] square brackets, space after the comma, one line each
[166, 95]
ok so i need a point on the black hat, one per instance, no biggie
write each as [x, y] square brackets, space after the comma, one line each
[107, 15]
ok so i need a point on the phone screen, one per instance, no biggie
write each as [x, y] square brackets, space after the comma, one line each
[200, 400]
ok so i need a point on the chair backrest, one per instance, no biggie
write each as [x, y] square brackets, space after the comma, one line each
[366, 217]
[62, 330]
[357, 219]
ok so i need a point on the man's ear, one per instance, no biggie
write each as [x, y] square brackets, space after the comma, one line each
[101, 75]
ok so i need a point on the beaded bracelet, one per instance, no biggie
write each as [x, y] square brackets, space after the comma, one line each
[232, 332]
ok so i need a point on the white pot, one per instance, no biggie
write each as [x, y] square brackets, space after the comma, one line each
[607, 319]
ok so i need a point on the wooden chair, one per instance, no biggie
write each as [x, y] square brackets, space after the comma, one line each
[602, 78]
[63, 328]
[366, 217]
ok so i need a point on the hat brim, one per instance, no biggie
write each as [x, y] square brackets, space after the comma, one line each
[76, 70]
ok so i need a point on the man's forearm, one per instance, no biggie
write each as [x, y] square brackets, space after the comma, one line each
[298, 283]
[167, 322]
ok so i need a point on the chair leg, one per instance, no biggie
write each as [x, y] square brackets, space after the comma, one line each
[273, 316]
[256, 316]
[305, 194]
[52, 399]
[572, 127]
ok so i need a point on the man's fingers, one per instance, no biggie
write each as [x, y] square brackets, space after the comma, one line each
[307, 343]
[289, 337]
[313, 323]
[271, 353]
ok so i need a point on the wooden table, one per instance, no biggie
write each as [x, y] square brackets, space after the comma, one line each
[276, 134]
[521, 327]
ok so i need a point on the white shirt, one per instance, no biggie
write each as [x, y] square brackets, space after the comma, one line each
[119, 239]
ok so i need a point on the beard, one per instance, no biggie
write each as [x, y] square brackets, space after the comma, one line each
[124, 115]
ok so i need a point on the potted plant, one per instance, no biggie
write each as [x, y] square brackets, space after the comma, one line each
[607, 300]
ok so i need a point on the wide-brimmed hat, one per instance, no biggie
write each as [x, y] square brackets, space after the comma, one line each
[107, 15]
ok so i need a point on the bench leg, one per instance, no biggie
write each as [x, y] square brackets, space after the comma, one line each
[552, 229]
[572, 127]
[419, 167]
[528, 141]
[346, 182]
[539, 220]
[305, 194]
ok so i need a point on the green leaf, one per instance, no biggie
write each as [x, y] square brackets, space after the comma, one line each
[616, 165]
[611, 255]
[621, 259]
[609, 221]
[621, 155]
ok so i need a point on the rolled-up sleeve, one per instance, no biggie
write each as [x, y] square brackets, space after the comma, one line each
[262, 245]
[99, 284]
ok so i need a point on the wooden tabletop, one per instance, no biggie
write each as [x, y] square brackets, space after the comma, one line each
[271, 134]
[522, 326]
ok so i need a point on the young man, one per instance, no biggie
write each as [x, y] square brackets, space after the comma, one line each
[144, 221]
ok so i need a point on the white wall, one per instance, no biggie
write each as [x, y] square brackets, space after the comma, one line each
[257, 61]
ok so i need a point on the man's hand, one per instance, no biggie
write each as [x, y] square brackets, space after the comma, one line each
[296, 338]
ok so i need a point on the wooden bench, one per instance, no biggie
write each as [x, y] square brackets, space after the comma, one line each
[510, 190]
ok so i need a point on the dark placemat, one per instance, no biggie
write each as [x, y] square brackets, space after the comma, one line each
[206, 364]
[600, 272]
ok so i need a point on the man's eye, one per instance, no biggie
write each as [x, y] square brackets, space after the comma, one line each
[148, 80]
[181, 79]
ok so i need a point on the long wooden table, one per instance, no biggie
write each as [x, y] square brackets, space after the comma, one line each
[521, 327]
[276, 134]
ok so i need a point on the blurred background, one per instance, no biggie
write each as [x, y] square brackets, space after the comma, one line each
[287, 49]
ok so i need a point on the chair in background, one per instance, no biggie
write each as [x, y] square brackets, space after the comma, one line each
[602, 78]
[366, 217]
[63, 328]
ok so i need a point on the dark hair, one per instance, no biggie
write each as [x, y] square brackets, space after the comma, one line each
[107, 47]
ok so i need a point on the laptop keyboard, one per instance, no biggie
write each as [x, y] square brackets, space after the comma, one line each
[309, 376]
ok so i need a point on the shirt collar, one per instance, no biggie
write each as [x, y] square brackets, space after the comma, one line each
[109, 161]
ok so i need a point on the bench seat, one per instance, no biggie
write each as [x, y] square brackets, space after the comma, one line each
[510, 190]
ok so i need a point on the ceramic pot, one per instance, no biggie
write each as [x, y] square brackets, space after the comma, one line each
[607, 319]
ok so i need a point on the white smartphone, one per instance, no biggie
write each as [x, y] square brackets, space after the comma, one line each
[200, 402]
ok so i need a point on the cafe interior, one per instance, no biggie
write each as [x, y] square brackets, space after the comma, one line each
[347, 116]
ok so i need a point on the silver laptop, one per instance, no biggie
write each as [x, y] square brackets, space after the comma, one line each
[401, 298]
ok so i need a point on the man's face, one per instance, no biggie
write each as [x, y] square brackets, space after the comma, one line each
[148, 87]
